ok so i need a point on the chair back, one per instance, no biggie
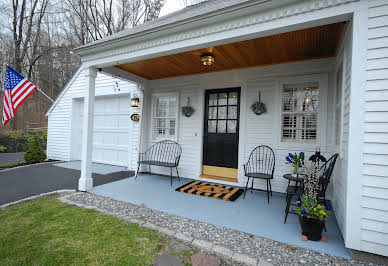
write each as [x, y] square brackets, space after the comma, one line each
[261, 160]
[166, 151]
[325, 174]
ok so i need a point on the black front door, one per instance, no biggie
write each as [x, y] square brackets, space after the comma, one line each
[222, 109]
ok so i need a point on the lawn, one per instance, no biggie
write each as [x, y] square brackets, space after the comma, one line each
[48, 232]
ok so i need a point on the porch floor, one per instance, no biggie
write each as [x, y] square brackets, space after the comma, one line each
[251, 215]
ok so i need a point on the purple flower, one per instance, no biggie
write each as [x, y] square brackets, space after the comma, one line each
[288, 159]
[299, 203]
[299, 199]
[303, 211]
[291, 155]
[328, 207]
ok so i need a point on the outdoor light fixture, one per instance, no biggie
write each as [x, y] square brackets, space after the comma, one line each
[308, 97]
[207, 59]
[135, 101]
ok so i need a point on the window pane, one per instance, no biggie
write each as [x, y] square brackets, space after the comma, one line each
[232, 100]
[172, 108]
[212, 112]
[212, 99]
[211, 126]
[232, 112]
[288, 121]
[222, 99]
[221, 126]
[222, 112]
[288, 134]
[232, 126]
[162, 107]
[172, 127]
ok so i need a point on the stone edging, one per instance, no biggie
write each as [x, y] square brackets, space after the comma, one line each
[61, 191]
[220, 251]
[26, 165]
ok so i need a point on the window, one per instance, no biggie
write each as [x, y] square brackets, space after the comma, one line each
[165, 116]
[300, 112]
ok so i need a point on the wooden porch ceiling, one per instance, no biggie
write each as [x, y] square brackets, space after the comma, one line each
[306, 44]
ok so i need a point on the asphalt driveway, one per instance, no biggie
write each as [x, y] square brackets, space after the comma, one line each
[19, 183]
[11, 157]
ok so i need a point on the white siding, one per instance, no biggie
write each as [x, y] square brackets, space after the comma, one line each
[60, 120]
[254, 130]
[374, 213]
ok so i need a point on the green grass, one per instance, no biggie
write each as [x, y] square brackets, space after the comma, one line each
[10, 164]
[48, 232]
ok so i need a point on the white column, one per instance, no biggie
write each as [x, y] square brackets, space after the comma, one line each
[86, 181]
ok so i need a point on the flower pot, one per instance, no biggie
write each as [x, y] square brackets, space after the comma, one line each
[312, 228]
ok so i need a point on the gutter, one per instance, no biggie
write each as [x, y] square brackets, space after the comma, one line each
[86, 49]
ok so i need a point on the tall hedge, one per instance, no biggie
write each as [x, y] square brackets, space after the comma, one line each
[35, 154]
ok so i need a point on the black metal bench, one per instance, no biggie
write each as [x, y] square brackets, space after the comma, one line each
[166, 153]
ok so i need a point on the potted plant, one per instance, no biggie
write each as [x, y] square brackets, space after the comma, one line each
[312, 215]
[296, 161]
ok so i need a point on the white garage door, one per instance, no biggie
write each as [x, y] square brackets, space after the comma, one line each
[111, 129]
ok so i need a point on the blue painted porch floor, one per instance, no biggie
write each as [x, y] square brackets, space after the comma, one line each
[251, 215]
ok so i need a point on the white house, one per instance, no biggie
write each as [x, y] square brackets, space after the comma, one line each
[334, 52]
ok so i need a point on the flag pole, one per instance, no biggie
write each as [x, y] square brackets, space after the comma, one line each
[45, 94]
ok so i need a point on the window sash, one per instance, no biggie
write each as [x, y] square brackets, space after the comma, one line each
[165, 116]
[299, 122]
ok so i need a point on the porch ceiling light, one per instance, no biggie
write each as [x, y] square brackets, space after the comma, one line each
[207, 59]
[135, 101]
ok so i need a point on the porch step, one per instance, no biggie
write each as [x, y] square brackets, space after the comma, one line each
[221, 178]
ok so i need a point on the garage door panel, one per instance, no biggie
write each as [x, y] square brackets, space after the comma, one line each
[111, 130]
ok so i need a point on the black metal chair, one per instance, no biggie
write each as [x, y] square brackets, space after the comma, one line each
[261, 165]
[325, 171]
[166, 153]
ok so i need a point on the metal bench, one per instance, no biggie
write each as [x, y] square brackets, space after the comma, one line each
[166, 153]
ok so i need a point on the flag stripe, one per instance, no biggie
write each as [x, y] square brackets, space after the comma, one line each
[20, 93]
[23, 98]
[16, 99]
[19, 86]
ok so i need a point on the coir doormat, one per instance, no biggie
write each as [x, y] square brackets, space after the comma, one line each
[211, 190]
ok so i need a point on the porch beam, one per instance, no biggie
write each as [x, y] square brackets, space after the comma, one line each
[86, 181]
[127, 76]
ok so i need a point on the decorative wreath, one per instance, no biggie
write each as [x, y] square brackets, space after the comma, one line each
[258, 107]
[187, 110]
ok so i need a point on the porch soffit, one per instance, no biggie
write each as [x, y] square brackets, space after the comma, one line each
[126, 45]
[306, 44]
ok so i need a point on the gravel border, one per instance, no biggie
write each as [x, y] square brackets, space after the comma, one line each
[229, 244]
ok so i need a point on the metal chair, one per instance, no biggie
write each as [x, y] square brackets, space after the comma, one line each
[261, 165]
[325, 171]
[166, 153]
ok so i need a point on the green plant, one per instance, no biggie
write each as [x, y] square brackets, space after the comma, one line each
[3, 148]
[307, 205]
[35, 153]
[296, 160]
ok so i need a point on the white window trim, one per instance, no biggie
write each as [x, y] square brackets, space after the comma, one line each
[167, 94]
[340, 66]
[322, 80]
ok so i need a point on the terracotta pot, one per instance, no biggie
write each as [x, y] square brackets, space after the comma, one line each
[312, 228]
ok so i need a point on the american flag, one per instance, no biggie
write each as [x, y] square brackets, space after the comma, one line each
[17, 89]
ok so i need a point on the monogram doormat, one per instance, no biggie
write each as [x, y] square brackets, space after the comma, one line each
[215, 191]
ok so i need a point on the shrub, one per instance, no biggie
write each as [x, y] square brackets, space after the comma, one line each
[35, 154]
[3, 148]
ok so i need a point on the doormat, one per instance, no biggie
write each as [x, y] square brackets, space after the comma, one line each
[210, 190]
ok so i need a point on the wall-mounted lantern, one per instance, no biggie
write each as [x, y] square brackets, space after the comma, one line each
[135, 101]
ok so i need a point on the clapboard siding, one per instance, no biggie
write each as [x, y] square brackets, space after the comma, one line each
[374, 214]
[60, 117]
[254, 130]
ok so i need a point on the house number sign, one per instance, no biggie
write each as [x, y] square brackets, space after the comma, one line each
[135, 117]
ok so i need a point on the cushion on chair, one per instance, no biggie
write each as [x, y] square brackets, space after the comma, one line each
[259, 175]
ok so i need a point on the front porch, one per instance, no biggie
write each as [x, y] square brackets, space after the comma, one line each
[252, 215]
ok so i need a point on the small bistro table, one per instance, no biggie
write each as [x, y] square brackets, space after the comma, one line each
[299, 179]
